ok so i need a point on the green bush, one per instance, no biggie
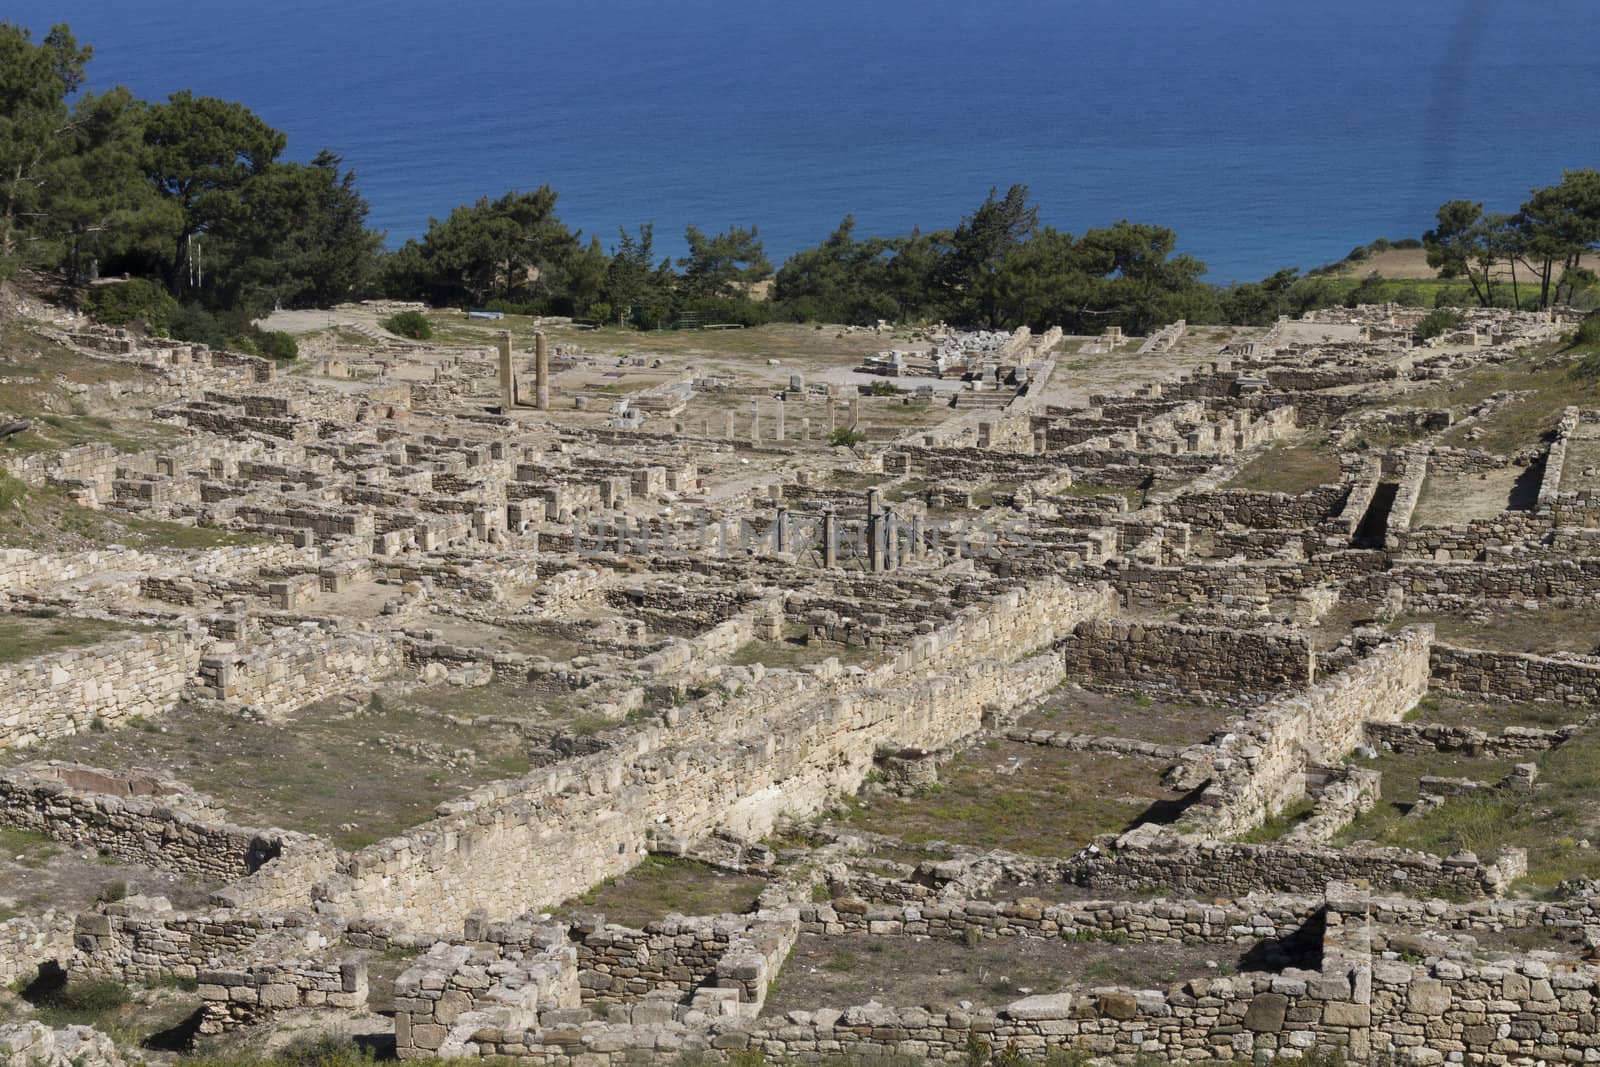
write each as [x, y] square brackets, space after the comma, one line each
[412, 324]
[91, 996]
[1439, 321]
[1588, 335]
[846, 437]
[135, 302]
[275, 344]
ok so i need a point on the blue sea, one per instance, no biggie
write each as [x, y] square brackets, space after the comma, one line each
[1267, 133]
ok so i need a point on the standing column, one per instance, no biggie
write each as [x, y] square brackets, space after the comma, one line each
[916, 535]
[874, 533]
[830, 548]
[541, 372]
[781, 406]
[833, 417]
[855, 413]
[783, 530]
[508, 384]
[891, 541]
[755, 422]
[805, 430]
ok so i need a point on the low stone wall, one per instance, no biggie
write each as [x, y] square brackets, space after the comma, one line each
[1243, 507]
[63, 693]
[234, 998]
[141, 939]
[1556, 460]
[1412, 472]
[296, 669]
[1219, 659]
[1136, 920]
[1154, 859]
[1515, 676]
[1512, 743]
[145, 830]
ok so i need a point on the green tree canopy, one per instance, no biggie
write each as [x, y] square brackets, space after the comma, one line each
[36, 127]
[199, 153]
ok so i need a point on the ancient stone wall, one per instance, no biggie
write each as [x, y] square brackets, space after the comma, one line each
[1243, 507]
[772, 752]
[1260, 766]
[1120, 651]
[147, 830]
[1516, 676]
[294, 670]
[65, 692]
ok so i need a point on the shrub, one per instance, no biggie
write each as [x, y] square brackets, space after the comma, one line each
[412, 324]
[135, 302]
[1439, 321]
[845, 437]
[91, 996]
[112, 892]
[1588, 335]
[275, 344]
[883, 389]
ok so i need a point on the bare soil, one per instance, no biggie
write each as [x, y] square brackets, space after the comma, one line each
[1447, 499]
[841, 970]
[37, 874]
[1138, 716]
[351, 773]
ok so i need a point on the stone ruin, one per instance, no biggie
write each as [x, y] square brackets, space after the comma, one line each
[698, 641]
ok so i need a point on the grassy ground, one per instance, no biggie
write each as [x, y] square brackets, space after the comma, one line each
[791, 653]
[1132, 715]
[354, 776]
[1024, 798]
[1548, 374]
[1288, 468]
[37, 873]
[24, 637]
[660, 885]
[1556, 824]
[47, 518]
[1507, 629]
[1493, 716]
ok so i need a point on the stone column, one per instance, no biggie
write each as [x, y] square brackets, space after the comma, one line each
[778, 434]
[891, 541]
[874, 533]
[727, 425]
[755, 422]
[508, 381]
[830, 548]
[805, 430]
[1041, 440]
[916, 536]
[782, 530]
[541, 372]
[833, 417]
[855, 413]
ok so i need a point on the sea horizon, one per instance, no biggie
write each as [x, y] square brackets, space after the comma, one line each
[789, 118]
